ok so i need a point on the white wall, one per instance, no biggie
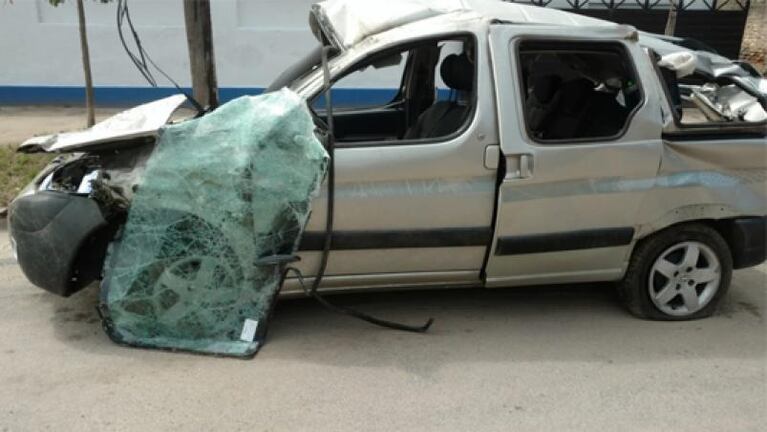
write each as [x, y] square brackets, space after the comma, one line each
[254, 40]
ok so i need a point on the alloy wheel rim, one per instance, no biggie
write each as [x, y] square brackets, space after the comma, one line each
[684, 278]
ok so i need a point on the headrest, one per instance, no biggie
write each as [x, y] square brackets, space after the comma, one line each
[457, 72]
[545, 86]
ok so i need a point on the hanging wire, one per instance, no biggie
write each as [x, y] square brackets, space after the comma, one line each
[141, 58]
[328, 241]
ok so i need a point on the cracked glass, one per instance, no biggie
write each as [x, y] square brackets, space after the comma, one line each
[223, 201]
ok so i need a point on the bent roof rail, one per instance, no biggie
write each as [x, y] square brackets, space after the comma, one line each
[343, 23]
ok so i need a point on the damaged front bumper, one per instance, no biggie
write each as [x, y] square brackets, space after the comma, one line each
[61, 223]
[59, 240]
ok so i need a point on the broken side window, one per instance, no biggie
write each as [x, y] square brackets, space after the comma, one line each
[577, 90]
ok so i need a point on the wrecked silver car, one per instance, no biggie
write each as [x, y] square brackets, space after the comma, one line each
[502, 148]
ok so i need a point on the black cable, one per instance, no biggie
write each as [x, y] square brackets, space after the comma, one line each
[123, 14]
[328, 243]
[311, 292]
[330, 148]
[142, 61]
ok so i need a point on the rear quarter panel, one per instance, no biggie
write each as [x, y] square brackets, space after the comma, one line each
[706, 178]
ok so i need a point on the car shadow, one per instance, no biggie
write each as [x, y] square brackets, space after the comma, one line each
[542, 323]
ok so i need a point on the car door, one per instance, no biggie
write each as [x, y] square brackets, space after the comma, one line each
[567, 206]
[409, 212]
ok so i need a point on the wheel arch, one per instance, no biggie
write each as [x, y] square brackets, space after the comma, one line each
[745, 235]
[633, 288]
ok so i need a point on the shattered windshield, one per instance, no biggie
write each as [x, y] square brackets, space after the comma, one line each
[219, 212]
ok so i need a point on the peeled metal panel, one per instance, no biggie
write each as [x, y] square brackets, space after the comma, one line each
[347, 22]
[141, 121]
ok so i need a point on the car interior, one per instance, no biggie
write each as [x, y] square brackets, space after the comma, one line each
[576, 91]
[421, 91]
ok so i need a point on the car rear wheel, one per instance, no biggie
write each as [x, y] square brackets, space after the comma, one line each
[680, 273]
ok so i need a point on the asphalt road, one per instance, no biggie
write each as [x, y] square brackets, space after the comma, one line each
[542, 358]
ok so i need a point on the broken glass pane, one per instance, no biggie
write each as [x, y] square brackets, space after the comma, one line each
[193, 268]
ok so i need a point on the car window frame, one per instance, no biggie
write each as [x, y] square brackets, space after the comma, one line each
[397, 98]
[622, 50]
[466, 36]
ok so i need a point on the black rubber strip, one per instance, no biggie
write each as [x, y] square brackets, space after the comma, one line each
[392, 239]
[563, 241]
[712, 136]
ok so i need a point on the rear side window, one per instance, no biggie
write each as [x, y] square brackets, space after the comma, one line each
[577, 91]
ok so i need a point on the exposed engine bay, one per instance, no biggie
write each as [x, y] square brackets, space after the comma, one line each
[109, 177]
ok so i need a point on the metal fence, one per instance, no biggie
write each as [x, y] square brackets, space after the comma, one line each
[717, 23]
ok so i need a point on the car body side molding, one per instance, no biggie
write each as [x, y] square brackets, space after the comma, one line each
[393, 239]
[563, 241]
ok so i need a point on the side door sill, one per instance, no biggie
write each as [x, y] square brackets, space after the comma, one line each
[387, 282]
[605, 275]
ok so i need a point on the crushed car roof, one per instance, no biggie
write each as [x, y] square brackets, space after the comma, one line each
[346, 22]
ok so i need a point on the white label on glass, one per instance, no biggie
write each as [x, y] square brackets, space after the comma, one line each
[249, 330]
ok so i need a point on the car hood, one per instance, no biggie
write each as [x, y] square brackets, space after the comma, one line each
[139, 122]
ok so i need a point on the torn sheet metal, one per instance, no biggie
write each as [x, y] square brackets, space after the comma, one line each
[707, 64]
[141, 121]
[346, 22]
[197, 266]
[727, 103]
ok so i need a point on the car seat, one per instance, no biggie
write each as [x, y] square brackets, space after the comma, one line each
[445, 117]
[541, 100]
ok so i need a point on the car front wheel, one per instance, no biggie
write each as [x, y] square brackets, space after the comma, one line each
[680, 273]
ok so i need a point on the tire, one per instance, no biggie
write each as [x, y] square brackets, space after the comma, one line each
[660, 281]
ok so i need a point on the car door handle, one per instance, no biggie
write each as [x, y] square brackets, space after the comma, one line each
[519, 166]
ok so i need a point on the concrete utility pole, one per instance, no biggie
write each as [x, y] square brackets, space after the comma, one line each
[202, 62]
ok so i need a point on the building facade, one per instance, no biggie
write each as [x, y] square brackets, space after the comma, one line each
[40, 48]
[254, 40]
